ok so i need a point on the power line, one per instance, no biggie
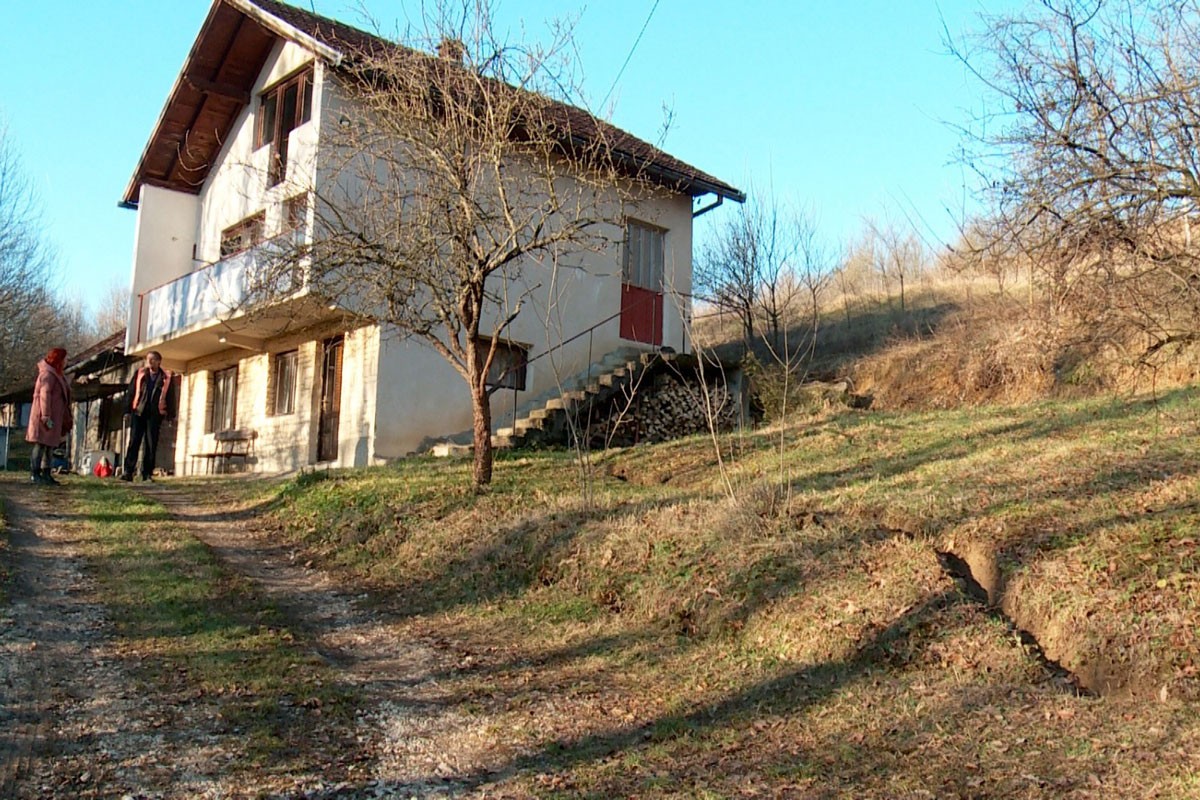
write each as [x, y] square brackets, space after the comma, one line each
[636, 42]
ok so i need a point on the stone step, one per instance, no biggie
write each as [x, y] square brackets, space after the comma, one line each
[526, 424]
[452, 450]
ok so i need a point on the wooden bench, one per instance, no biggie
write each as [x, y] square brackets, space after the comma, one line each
[231, 445]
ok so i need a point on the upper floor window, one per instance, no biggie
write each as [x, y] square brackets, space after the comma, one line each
[243, 235]
[644, 255]
[285, 106]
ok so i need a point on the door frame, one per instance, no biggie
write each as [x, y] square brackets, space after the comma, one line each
[329, 402]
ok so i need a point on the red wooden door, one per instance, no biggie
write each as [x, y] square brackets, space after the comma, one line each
[641, 314]
[642, 283]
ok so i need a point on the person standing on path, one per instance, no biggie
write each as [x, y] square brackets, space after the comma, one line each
[49, 416]
[148, 395]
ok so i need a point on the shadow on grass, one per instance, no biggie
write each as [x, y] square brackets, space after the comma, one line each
[1076, 422]
[789, 693]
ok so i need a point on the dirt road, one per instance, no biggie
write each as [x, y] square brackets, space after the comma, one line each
[75, 722]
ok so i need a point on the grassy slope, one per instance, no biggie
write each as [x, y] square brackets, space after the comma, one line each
[663, 625]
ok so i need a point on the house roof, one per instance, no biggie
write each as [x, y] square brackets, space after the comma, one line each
[100, 355]
[230, 51]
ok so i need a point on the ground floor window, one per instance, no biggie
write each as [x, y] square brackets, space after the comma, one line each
[283, 383]
[222, 413]
[509, 366]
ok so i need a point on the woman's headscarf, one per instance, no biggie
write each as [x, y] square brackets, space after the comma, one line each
[57, 358]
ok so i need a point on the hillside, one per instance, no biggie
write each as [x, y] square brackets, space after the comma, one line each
[789, 616]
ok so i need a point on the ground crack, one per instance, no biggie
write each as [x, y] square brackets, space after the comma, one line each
[986, 591]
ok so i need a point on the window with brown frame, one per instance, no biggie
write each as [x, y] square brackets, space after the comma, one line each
[243, 235]
[283, 383]
[284, 107]
[222, 410]
[509, 365]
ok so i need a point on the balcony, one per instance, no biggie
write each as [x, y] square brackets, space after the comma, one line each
[239, 301]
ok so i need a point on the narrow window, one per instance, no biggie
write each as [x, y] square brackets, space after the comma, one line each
[222, 415]
[283, 383]
[644, 256]
[243, 235]
[509, 365]
[285, 106]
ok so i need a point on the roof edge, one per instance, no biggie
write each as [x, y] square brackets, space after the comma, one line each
[130, 198]
[287, 31]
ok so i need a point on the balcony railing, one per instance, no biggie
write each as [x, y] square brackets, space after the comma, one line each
[219, 291]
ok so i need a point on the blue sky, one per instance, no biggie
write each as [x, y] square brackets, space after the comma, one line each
[839, 106]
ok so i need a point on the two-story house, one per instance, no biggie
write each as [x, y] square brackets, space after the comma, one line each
[233, 167]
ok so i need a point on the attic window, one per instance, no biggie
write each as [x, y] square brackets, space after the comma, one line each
[285, 106]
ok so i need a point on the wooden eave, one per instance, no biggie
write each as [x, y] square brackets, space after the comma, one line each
[213, 87]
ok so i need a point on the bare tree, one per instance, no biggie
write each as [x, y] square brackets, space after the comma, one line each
[898, 255]
[814, 266]
[31, 317]
[746, 268]
[457, 186]
[1089, 156]
[111, 312]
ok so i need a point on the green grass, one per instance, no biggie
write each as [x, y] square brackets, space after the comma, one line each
[192, 627]
[645, 625]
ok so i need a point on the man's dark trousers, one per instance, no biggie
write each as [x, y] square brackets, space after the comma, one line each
[143, 432]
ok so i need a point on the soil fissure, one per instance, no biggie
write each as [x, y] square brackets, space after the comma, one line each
[988, 593]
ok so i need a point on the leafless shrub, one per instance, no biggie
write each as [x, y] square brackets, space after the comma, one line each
[1089, 162]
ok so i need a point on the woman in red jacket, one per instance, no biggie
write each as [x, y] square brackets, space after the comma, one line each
[50, 416]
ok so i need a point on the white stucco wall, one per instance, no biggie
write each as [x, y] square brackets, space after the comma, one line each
[163, 237]
[286, 442]
[178, 233]
[421, 396]
[237, 188]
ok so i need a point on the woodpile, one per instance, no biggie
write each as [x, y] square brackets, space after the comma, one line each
[666, 406]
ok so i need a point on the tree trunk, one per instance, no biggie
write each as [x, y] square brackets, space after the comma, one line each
[481, 413]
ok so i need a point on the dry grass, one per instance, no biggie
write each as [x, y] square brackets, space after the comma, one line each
[962, 341]
[802, 638]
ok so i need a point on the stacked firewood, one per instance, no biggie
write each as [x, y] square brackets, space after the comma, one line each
[665, 407]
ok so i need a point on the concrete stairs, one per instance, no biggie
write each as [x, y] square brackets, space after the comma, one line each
[543, 419]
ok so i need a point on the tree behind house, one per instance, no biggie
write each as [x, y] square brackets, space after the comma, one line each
[33, 317]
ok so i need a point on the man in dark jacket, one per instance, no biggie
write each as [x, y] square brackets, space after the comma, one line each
[148, 405]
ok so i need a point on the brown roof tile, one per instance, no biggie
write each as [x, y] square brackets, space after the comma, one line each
[579, 123]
